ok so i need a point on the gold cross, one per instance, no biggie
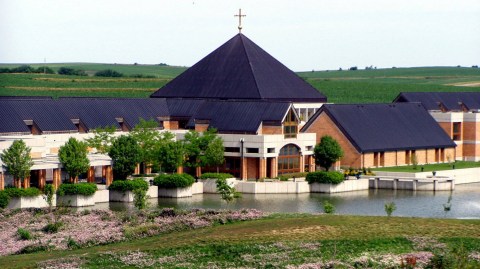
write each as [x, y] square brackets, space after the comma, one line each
[240, 19]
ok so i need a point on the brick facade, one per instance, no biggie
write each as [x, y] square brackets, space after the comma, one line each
[266, 130]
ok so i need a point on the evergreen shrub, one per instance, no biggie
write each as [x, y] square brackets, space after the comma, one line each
[87, 189]
[216, 176]
[174, 181]
[129, 185]
[325, 177]
[17, 192]
[4, 199]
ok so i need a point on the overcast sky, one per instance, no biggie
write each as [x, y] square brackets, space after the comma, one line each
[304, 35]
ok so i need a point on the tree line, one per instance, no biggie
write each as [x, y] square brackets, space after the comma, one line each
[68, 71]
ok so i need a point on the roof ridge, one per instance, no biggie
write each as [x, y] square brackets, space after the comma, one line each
[250, 65]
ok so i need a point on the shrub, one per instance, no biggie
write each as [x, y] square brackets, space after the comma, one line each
[108, 73]
[72, 244]
[389, 208]
[35, 248]
[71, 72]
[17, 192]
[174, 181]
[227, 193]
[4, 199]
[53, 227]
[86, 189]
[328, 207]
[140, 198]
[23, 69]
[216, 176]
[45, 69]
[129, 185]
[49, 191]
[24, 234]
[325, 177]
[285, 177]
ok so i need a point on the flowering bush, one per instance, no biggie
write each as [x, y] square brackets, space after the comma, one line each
[128, 185]
[174, 181]
[96, 227]
[86, 189]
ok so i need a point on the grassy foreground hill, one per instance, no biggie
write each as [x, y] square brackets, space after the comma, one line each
[285, 241]
[360, 86]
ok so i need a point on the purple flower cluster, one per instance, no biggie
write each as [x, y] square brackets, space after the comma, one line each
[104, 226]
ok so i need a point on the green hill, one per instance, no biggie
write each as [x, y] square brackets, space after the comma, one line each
[359, 86]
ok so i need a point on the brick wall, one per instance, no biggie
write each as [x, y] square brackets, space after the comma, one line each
[471, 131]
[272, 130]
[201, 127]
[170, 125]
[252, 168]
[323, 125]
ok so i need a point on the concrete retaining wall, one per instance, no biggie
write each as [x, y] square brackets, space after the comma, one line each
[413, 184]
[273, 187]
[345, 186]
[152, 191]
[175, 192]
[197, 188]
[29, 202]
[76, 200]
[210, 185]
[120, 196]
[101, 196]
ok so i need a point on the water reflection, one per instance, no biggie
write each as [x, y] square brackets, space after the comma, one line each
[465, 202]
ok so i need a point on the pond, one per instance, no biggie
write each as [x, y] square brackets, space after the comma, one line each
[465, 202]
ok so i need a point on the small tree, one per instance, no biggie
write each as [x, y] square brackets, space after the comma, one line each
[73, 156]
[327, 152]
[171, 155]
[389, 208]
[227, 193]
[102, 139]
[17, 161]
[49, 191]
[196, 145]
[125, 154]
[140, 198]
[150, 140]
[214, 154]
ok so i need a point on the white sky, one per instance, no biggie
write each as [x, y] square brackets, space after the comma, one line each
[304, 35]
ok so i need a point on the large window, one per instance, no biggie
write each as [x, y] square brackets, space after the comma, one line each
[457, 131]
[289, 159]
[290, 126]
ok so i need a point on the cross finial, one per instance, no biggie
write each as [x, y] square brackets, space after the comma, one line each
[240, 19]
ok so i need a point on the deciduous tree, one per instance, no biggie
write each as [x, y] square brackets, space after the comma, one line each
[102, 139]
[18, 161]
[73, 156]
[125, 154]
[327, 152]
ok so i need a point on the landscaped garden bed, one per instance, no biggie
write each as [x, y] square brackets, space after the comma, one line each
[122, 190]
[76, 195]
[22, 198]
[174, 185]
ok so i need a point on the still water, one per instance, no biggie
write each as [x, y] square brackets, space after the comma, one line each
[465, 202]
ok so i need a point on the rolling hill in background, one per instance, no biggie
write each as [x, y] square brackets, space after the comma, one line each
[358, 86]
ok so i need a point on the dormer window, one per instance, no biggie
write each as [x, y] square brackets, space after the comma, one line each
[32, 127]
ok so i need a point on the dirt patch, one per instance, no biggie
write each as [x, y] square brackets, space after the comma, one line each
[466, 84]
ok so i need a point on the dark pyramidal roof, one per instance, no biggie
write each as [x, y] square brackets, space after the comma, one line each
[240, 69]
[387, 127]
[448, 100]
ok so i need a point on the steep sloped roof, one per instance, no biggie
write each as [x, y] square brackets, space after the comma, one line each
[240, 116]
[449, 100]
[240, 69]
[386, 127]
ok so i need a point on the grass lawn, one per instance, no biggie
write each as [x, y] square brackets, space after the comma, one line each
[429, 167]
[280, 241]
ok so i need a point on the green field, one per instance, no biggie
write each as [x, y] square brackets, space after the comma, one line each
[360, 86]
[280, 241]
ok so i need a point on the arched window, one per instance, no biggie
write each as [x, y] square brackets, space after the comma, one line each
[289, 159]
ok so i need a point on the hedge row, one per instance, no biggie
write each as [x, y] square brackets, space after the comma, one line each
[8, 193]
[174, 181]
[285, 177]
[87, 189]
[216, 176]
[325, 177]
[129, 185]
